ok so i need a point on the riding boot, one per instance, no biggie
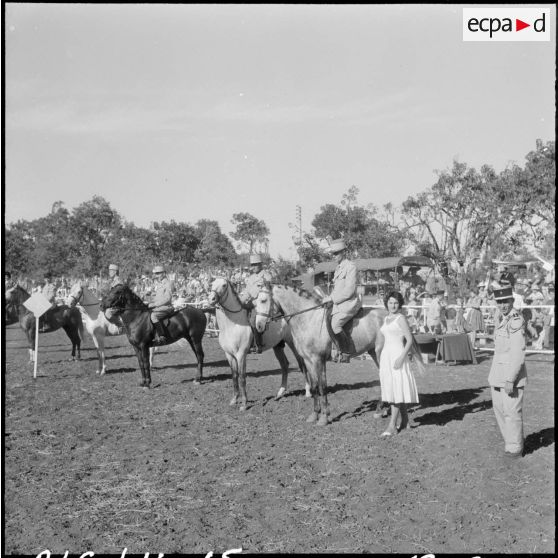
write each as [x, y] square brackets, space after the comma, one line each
[160, 338]
[343, 345]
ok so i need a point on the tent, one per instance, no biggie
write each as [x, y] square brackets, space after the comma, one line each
[377, 264]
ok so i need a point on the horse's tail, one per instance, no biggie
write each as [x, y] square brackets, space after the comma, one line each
[417, 357]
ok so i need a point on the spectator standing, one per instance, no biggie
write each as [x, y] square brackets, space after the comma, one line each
[475, 321]
[397, 381]
[434, 313]
[507, 278]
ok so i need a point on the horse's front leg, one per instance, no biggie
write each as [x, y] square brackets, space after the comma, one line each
[242, 381]
[101, 355]
[322, 392]
[142, 352]
[284, 363]
[234, 371]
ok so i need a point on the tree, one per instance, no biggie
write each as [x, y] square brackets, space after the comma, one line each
[176, 242]
[249, 231]
[214, 247]
[364, 235]
[18, 247]
[93, 223]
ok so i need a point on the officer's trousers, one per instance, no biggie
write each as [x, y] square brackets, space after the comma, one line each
[509, 416]
[338, 320]
[159, 313]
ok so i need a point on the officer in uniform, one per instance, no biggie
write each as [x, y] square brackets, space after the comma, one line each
[161, 303]
[114, 276]
[344, 297]
[49, 289]
[508, 375]
[257, 279]
[9, 283]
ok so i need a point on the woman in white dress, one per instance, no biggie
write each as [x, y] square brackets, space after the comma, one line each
[396, 378]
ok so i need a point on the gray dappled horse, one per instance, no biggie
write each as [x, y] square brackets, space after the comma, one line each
[235, 338]
[306, 317]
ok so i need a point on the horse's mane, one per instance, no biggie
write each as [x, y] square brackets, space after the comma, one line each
[301, 292]
[134, 298]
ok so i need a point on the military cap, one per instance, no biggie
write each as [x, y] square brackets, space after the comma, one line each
[503, 294]
[158, 269]
[337, 246]
[113, 267]
[255, 259]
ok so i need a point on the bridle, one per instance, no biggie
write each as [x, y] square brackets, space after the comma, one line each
[224, 295]
[270, 317]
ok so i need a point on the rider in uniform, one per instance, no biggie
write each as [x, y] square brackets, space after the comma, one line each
[258, 278]
[114, 275]
[9, 283]
[346, 303]
[161, 303]
[508, 375]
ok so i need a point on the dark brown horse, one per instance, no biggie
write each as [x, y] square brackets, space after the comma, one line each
[69, 319]
[188, 323]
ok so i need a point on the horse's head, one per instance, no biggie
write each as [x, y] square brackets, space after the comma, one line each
[264, 306]
[76, 293]
[116, 300]
[218, 291]
[16, 295]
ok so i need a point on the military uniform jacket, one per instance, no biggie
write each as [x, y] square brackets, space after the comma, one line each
[116, 281]
[162, 296]
[49, 292]
[509, 352]
[254, 284]
[344, 295]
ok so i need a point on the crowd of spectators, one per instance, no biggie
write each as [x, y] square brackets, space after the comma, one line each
[437, 305]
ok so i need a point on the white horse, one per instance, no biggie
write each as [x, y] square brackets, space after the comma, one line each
[96, 323]
[235, 338]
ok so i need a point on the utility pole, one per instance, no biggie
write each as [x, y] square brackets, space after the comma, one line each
[299, 228]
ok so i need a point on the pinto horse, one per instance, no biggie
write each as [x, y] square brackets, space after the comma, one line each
[97, 326]
[55, 318]
[306, 317]
[188, 323]
[235, 338]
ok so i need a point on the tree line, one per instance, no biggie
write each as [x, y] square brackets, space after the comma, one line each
[467, 214]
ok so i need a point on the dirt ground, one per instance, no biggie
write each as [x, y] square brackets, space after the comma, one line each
[99, 464]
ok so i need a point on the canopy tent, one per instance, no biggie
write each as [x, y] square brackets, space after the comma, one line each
[378, 264]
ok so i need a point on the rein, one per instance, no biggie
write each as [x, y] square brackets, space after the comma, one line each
[286, 316]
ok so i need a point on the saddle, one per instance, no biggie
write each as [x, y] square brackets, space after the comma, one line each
[347, 328]
[165, 319]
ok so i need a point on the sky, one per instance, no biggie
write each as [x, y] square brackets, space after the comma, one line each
[185, 112]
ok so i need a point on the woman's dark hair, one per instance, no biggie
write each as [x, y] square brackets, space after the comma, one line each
[394, 294]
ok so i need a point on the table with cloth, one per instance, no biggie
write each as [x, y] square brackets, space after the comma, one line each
[455, 347]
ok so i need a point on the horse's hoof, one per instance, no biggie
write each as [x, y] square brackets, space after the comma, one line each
[71, 359]
[323, 420]
[102, 373]
[313, 417]
[232, 402]
[197, 382]
[242, 408]
[377, 415]
[280, 393]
